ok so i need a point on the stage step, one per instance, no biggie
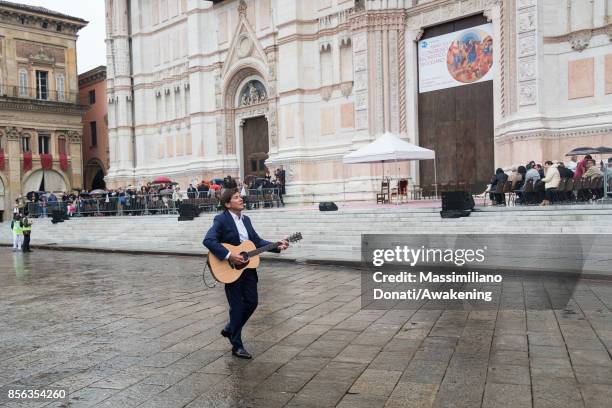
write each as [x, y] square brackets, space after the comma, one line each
[327, 235]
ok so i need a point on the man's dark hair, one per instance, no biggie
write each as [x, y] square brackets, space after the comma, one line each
[226, 195]
[588, 157]
[548, 162]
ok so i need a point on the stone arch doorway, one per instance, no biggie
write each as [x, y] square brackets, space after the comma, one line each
[248, 121]
[94, 175]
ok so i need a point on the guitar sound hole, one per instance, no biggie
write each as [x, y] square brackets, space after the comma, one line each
[245, 256]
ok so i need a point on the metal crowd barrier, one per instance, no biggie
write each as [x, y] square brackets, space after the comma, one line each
[128, 205]
[149, 204]
[262, 198]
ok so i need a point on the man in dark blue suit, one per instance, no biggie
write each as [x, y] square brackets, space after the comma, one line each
[231, 227]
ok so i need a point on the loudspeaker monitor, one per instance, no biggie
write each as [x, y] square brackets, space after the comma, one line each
[328, 206]
[187, 212]
[456, 204]
[56, 216]
[457, 200]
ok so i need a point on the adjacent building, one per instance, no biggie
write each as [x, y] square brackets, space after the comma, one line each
[200, 89]
[92, 92]
[40, 116]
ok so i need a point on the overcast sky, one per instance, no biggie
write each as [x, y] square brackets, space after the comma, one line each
[91, 50]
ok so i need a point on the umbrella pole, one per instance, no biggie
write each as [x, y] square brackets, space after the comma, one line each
[397, 181]
[436, 176]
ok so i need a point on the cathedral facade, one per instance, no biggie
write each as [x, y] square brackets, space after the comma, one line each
[201, 89]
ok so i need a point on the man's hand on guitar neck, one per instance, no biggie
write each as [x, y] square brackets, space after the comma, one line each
[283, 244]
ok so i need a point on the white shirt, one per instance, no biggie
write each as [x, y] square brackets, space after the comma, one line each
[242, 231]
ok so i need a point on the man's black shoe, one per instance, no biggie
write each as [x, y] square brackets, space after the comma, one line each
[241, 353]
[225, 333]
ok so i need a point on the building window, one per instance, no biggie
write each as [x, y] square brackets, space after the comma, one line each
[94, 134]
[25, 144]
[43, 144]
[59, 86]
[42, 84]
[62, 145]
[92, 96]
[1, 144]
[23, 82]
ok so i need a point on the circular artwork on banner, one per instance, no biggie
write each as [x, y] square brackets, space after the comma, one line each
[470, 56]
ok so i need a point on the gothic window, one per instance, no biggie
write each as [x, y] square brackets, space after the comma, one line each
[252, 92]
[59, 86]
[326, 65]
[346, 60]
[23, 82]
[186, 87]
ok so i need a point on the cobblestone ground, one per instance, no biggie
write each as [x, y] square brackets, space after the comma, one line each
[132, 330]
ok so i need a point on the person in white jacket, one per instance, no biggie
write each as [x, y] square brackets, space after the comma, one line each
[551, 182]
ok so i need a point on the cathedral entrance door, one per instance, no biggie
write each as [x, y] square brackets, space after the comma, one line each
[255, 146]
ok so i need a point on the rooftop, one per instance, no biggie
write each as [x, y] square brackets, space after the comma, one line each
[39, 10]
[93, 75]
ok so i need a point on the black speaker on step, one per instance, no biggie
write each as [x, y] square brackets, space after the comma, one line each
[187, 212]
[57, 216]
[328, 206]
[456, 204]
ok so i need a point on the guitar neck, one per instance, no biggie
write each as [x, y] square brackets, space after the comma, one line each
[263, 249]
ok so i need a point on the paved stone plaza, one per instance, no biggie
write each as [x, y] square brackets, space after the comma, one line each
[136, 330]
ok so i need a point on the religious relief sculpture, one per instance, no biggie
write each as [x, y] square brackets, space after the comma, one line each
[252, 93]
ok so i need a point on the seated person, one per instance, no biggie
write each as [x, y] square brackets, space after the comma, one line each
[591, 170]
[533, 175]
[551, 183]
[498, 179]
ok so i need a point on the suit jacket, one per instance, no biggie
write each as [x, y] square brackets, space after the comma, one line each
[224, 230]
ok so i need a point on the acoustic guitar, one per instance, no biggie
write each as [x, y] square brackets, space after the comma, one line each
[227, 272]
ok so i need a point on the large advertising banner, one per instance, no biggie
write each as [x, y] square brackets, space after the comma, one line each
[459, 58]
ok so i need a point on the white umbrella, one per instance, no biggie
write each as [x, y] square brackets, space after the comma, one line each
[389, 147]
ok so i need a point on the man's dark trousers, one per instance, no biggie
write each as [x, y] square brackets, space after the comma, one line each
[242, 298]
[26, 242]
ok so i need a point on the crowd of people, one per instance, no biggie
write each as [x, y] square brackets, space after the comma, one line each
[552, 182]
[155, 198]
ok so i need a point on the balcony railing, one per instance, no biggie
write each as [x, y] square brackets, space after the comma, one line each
[41, 94]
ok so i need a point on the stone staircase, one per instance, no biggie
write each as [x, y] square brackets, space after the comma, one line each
[328, 236]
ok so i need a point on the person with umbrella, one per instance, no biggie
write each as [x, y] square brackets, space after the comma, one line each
[572, 164]
[581, 167]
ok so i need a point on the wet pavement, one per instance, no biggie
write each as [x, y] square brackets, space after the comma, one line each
[139, 330]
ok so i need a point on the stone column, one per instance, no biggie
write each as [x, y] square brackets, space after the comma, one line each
[121, 125]
[378, 48]
[13, 164]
